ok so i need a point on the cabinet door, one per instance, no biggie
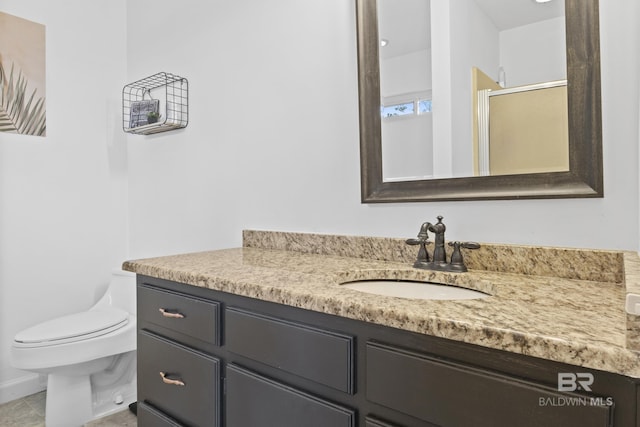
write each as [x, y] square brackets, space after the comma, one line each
[450, 394]
[253, 400]
[184, 314]
[372, 422]
[179, 381]
[150, 417]
[316, 354]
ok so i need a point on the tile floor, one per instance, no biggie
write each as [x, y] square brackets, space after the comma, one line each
[29, 412]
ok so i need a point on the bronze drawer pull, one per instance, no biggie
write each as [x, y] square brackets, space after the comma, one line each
[170, 381]
[165, 313]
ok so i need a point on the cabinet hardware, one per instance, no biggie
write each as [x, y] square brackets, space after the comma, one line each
[167, 380]
[166, 313]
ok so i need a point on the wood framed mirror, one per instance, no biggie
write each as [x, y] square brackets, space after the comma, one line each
[585, 175]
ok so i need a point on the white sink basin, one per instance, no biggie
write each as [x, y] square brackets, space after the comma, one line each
[414, 290]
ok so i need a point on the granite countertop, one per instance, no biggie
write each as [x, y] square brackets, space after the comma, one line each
[535, 308]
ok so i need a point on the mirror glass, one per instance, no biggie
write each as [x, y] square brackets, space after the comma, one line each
[478, 99]
[520, 127]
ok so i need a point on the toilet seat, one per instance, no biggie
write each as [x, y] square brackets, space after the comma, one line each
[72, 328]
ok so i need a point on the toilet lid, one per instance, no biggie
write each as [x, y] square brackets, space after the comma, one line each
[74, 327]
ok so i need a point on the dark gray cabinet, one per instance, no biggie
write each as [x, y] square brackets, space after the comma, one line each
[148, 416]
[189, 316]
[316, 354]
[254, 400]
[246, 362]
[179, 380]
[371, 422]
[459, 395]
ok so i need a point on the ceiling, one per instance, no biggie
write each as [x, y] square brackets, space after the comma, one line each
[507, 14]
[402, 22]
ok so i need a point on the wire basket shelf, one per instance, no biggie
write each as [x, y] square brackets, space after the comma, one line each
[155, 104]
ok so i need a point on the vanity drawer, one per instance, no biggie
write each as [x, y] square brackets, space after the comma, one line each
[188, 388]
[315, 354]
[150, 417]
[372, 422]
[447, 394]
[185, 314]
[253, 400]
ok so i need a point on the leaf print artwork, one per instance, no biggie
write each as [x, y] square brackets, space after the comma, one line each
[22, 76]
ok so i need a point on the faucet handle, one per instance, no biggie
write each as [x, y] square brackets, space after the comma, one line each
[470, 245]
[423, 256]
[414, 242]
[456, 257]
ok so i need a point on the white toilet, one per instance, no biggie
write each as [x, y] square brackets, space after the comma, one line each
[89, 357]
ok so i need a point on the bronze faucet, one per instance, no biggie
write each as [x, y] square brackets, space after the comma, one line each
[439, 261]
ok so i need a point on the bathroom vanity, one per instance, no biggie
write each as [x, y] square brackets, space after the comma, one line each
[264, 335]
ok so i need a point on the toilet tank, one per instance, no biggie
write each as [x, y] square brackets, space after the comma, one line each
[121, 292]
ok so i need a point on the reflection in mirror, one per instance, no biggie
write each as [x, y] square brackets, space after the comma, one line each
[405, 89]
[500, 129]
[438, 115]
[520, 118]
[523, 129]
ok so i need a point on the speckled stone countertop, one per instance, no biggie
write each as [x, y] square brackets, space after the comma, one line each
[565, 305]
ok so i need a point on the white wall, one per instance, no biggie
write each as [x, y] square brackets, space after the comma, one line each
[474, 44]
[63, 197]
[273, 134]
[272, 144]
[463, 37]
[407, 147]
[534, 53]
[273, 137]
[406, 75]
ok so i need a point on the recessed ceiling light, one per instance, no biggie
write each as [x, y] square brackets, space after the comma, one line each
[542, 1]
[384, 42]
